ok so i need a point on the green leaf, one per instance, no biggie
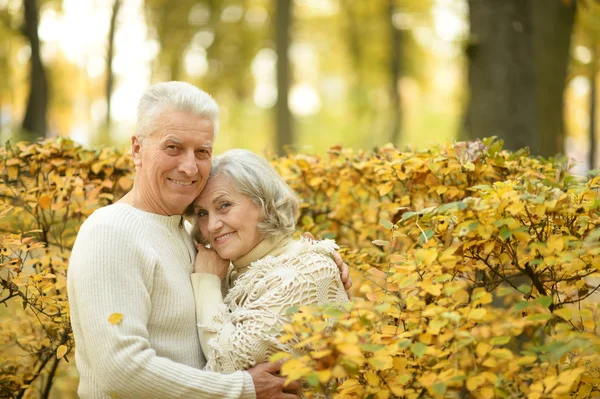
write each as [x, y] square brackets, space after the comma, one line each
[291, 310]
[505, 233]
[522, 305]
[335, 313]
[372, 347]
[439, 388]
[386, 223]
[524, 288]
[418, 349]
[539, 317]
[544, 300]
[408, 215]
[502, 340]
[312, 379]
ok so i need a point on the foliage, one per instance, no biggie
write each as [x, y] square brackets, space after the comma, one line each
[482, 284]
[474, 268]
[47, 190]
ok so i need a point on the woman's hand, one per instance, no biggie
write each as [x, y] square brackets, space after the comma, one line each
[208, 261]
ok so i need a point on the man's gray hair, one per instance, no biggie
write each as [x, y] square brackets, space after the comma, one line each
[180, 96]
[255, 177]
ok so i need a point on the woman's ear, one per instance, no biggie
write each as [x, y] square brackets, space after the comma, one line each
[136, 151]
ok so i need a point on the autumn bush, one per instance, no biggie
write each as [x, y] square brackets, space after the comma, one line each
[475, 269]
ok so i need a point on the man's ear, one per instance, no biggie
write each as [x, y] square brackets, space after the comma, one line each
[136, 151]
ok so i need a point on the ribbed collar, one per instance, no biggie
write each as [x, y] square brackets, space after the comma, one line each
[268, 246]
[173, 221]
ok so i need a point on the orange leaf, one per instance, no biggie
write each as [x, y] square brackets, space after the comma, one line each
[45, 201]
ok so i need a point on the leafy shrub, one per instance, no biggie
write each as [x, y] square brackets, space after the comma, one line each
[473, 269]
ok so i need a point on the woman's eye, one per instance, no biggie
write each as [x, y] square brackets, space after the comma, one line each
[201, 213]
[225, 205]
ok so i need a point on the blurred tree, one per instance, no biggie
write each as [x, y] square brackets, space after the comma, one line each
[284, 120]
[34, 122]
[109, 58]
[394, 72]
[170, 23]
[518, 56]
[586, 63]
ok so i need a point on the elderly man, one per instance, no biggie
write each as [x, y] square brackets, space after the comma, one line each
[132, 304]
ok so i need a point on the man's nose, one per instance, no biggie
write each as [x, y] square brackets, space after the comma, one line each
[188, 164]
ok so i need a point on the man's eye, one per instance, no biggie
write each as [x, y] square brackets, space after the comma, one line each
[203, 153]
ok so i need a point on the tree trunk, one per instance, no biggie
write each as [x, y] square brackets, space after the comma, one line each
[285, 134]
[109, 59]
[518, 61]
[593, 121]
[34, 122]
[552, 23]
[395, 42]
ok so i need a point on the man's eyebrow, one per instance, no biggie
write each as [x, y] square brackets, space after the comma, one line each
[174, 140]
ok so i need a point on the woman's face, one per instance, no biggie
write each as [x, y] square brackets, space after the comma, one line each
[227, 218]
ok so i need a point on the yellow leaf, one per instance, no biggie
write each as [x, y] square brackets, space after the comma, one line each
[483, 348]
[461, 296]
[324, 376]
[61, 351]
[125, 183]
[525, 360]
[385, 188]
[490, 362]
[13, 172]
[564, 313]
[45, 201]
[349, 349]
[501, 353]
[477, 314]
[381, 362]
[475, 382]
[486, 393]
[556, 243]
[115, 318]
[433, 289]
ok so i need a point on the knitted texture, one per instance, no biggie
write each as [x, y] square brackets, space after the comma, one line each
[247, 325]
[138, 264]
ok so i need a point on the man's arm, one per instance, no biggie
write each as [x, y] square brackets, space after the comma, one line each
[108, 274]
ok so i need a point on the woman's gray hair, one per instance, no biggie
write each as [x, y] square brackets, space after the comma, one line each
[180, 96]
[255, 177]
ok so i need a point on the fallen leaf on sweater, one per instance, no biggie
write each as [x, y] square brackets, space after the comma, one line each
[115, 318]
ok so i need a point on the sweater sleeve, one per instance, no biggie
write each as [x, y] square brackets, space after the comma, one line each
[209, 300]
[110, 273]
[249, 334]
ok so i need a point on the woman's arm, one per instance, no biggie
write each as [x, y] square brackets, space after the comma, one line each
[247, 335]
[209, 272]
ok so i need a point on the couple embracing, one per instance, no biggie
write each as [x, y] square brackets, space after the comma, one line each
[202, 302]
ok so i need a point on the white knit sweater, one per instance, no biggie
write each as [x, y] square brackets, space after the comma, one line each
[243, 329]
[138, 264]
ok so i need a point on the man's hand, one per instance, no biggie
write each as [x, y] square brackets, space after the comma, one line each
[208, 261]
[344, 269]
[270, 386]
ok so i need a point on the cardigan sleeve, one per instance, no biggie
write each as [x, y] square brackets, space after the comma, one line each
[109, 271]
[246, 335]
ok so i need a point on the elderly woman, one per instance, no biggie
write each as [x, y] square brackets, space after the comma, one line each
[249, 270]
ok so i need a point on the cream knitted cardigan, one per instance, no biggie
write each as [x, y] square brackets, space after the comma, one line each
[138, 264]
[243, 329]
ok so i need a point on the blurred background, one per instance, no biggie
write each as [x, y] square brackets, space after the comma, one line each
[306, 75]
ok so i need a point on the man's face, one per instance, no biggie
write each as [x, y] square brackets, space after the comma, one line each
[173, 163]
